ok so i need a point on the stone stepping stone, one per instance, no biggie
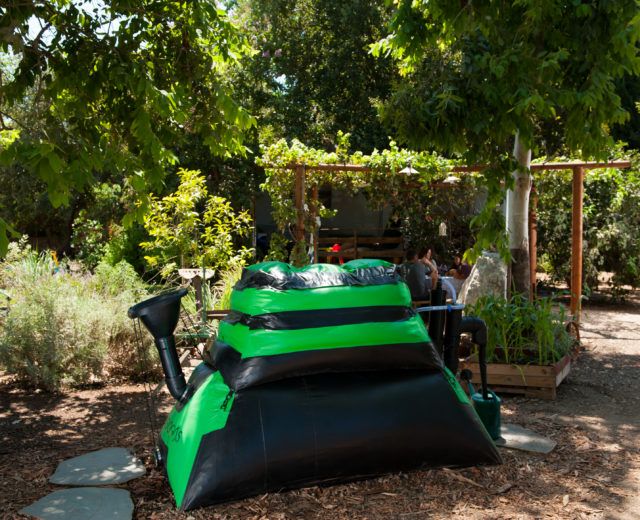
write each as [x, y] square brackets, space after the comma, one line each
[87, 503]
[519, 438]
[98, 468]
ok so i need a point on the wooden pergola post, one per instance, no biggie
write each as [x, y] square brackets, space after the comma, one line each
[576, 241]
[314, 216]
[533, 240]
[299, 190]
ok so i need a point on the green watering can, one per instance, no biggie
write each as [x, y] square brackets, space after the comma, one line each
[486, 403]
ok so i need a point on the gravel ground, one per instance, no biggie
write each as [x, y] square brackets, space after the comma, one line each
[594, 472]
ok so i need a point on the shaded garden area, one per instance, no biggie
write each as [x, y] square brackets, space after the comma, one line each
[154, 145]
[593, 472]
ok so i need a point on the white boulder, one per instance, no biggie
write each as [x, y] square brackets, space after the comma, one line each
[488, 277]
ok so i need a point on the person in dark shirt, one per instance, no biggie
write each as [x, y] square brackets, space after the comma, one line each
[417, 277]
[403, 269]
[458, 269]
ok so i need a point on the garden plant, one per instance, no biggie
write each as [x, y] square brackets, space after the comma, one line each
[65, 329]
[523, 332]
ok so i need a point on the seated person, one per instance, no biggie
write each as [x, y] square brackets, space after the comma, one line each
[417, 278]
[426, 257]
[459, 270]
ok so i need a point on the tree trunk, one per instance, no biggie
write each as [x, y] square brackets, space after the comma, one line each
[518, 221]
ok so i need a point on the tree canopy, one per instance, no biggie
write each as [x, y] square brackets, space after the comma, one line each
[313, 74]
[479, 73]
[116, 86]
[121, 92]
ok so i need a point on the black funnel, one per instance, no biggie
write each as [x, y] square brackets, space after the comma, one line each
[160, 316]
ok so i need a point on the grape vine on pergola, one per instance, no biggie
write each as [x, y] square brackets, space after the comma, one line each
[578, 168]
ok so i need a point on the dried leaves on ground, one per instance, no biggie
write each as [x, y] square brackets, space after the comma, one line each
[592, 473]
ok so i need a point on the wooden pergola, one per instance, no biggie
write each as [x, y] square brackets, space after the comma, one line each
[577, 167]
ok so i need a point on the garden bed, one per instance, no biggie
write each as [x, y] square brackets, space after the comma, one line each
[529, 345]
[540, 381]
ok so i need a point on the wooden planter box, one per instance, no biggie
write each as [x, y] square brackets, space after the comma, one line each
[528, 380]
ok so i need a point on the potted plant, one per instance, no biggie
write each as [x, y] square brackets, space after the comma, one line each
[528, 346]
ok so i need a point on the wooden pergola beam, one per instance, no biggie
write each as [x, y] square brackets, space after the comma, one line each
[569, 165]
[588, 165]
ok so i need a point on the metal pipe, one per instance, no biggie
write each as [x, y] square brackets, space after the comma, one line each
[452, 339]
[448, 307]
[478, 330]
[436, 319]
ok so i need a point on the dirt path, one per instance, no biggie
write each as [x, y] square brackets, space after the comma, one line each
[593, 472]
[606, 391]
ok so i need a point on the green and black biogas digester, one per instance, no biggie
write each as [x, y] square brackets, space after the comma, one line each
[319, 375]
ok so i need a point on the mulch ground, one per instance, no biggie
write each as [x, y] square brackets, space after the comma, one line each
[591, 473]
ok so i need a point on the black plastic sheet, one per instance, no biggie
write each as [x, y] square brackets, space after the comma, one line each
[376, 275]
[293, 320]
[241, 373]
[333, 428]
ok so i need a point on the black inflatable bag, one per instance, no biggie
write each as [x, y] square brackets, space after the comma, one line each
[331, 428]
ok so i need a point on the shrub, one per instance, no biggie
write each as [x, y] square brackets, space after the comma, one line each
[53, 335]
[611, 224]
[117, 280]
[23, 267]
[123, 245]
[190, 228]
[192, 328]
[61, 330]
[217, 296]
[95, 234]
[88, 239]
[126, 359]
[120, 287]
[224, 286]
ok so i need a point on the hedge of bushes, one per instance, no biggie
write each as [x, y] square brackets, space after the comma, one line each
[69, 329]
[611, 227]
